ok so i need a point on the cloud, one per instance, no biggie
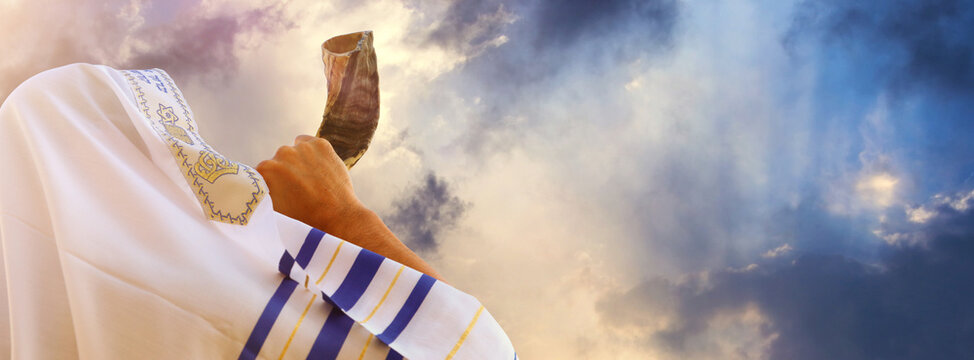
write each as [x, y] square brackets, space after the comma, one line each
[685, 164]
[556, 24]
[533, 42]
[187, 39]
[812, 226]
[421, 216]
[778, 251]
[204, 45]
[919, 224]
[518, 55]
[913, 304]
[471, 26]
[919, 43]
[562, 23]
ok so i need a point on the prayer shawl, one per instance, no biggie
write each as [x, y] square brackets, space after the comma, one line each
[126, 236]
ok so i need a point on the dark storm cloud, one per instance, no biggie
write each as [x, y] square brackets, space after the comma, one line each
[560, 23]
[187, 46]
[811, 227]
[543, 32]
[425, 212]
[914, 304]
[469, 24]
[546, 41]
[917, 42]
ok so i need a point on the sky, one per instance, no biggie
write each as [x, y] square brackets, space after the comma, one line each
[625, 179]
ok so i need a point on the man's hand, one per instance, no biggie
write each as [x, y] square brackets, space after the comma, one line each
[309, 182]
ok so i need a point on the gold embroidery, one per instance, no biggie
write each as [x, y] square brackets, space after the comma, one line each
[178, 133]
[227, 191]
[212, 166]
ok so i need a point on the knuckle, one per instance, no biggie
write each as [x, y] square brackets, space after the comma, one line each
[284, 152]
[302, 147]
[266, 166]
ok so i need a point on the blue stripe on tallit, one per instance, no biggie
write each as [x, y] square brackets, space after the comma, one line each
[359, 276]
[286, 263]
[332, 335]
[393, 355]
[408, 309]
[308, 248]
[267, 319]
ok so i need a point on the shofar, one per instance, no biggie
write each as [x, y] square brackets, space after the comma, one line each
[352, 110]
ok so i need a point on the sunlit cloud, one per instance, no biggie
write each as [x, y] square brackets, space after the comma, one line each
[878, 190]
[778, 251]
[920, 214]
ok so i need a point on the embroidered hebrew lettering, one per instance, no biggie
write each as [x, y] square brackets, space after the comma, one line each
[226, 190]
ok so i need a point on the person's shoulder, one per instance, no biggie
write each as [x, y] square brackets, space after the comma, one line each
[58, 82]
[59, 75]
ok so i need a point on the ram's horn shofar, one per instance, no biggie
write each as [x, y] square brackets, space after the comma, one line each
[352, 110]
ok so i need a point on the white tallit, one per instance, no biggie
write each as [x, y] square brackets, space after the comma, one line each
[125, 236]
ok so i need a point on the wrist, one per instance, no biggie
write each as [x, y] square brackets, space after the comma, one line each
[363, 227]
[343, 220]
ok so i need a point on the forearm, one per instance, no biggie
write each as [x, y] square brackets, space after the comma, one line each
[364, 228]
[309, 182]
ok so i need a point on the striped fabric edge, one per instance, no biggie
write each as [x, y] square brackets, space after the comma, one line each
[267, 319]
[279, 299]
[354, 280]
[332, 335]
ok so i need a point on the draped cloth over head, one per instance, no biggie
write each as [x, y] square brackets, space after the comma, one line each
[126, 236]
